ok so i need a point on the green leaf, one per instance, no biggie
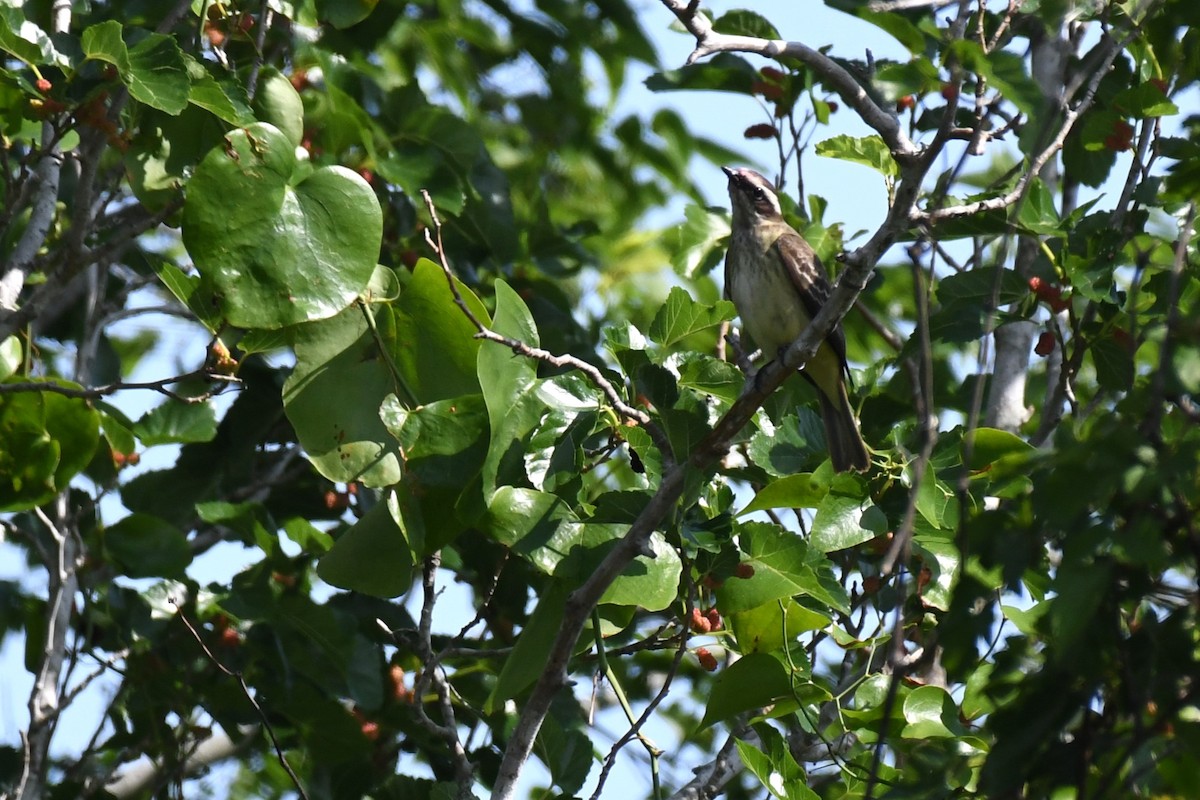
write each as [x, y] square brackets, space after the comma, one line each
[751, 682]
[681, 316]
[870, 151]
[47, 439]
[1038, 214]
[931, 714]
[175, 422]
[10, 357]
[345, 441]
[143, 546]
[784, 567]
[936, 502]
[790, 491]
[528, 657]
[438, 353]
[554, 455]
[1185, 361]
[775, 766]
[975, 287]
[507, 382]
[1114, 364]
[694, 244]
[846, 516]
[443, 442]
[225, 99]
[188, 289]
[1143, 101]
[898, 26]
[1003, 70]
[790, 448]
[722, 73]
[769, 627]
[942, 559]
[344, 13]
[516, 515]
[372, 556]
[275, 253]
[278, 103]
[741, 22]
[25, 40]
[710, 375]
[153, 69]
[990, 445]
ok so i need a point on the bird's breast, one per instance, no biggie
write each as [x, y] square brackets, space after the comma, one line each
[765, 297]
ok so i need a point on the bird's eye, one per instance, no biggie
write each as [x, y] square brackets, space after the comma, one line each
[759, 194]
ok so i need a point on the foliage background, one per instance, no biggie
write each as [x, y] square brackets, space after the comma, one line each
[1008, 619]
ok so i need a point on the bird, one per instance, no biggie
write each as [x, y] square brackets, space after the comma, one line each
[778, 285]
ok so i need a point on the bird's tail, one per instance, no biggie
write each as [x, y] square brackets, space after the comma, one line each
[846, 447]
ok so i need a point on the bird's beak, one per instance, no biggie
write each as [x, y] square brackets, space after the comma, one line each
[729, 172]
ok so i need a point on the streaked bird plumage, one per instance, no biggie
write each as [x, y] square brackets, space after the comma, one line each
[778, 284]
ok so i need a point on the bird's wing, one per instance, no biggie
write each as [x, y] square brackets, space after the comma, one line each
[808, 275]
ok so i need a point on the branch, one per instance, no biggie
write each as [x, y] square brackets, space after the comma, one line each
[708, 41]
[160, 386]
[710, 779]
[142, 775]
[46, 699]
[431, 676]
[524, 349]
[1112, 48]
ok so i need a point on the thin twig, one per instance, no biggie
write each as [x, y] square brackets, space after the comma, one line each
[96, 392]
[237, 675]
[431, 676]
[522, 348]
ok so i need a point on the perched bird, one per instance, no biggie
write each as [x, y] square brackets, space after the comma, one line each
[778, 284]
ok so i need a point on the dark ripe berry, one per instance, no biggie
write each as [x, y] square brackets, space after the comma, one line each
[771, 91]
[744, 571]
[772, 74]
[699, 623]
[1121, 138]
[714, 619]
[833, 106]
[707, 660]
[1045, 344]
[950, 91]
[871, 584]
[1159, 83]
[760, 131]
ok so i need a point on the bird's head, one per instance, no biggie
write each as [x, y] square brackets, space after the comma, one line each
[753, 197]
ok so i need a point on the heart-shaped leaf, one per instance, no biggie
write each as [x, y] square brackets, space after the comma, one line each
[278, 250]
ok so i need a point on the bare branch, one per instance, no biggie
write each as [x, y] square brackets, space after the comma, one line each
[46, 699]
[1112, 48]
[711, 778]
[708, 41]
[95, 392]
